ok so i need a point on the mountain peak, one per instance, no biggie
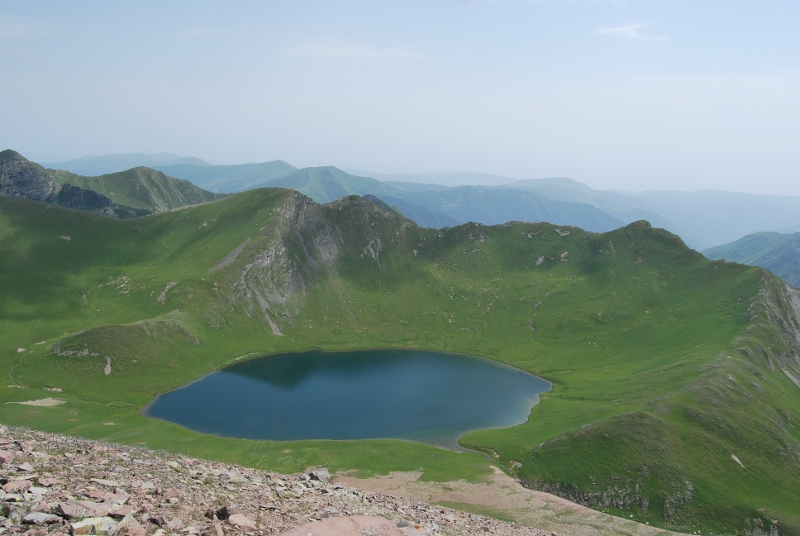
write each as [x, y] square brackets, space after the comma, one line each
[11, 154]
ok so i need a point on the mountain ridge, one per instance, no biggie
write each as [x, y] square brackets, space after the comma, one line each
[132, 193]
[703, 218]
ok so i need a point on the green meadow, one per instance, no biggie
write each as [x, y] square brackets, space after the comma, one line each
[666, 367]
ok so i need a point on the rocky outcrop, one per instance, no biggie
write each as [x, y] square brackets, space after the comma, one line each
[139, 191]
[774, 333]
[270, 272]
[55, 484]
[19, 177]
[81, 199]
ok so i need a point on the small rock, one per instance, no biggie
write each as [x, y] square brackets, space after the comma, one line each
[78, 509]
[129, 526]
[122, 512]
[94, 525]
[115, 498]
[16, 486]
[161, 521]
[25, 467]
[218, 529]
[6, 456]
[104, 482]
[47, 482]
[40, 518]
[15, 513]
[322, 475]
[238, 520]
[223, 513]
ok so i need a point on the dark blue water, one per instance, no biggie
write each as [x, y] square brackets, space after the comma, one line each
[405, 394]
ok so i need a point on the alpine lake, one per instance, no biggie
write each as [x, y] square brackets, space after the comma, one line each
[422, 396]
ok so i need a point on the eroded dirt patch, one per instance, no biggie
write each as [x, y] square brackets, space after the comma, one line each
[504, 496]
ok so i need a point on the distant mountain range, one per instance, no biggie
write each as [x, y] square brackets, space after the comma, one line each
[778, 253]
[229, 179]
[703, 218]
[112, 163]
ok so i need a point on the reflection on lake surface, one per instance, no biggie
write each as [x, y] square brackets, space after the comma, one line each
[405, 394]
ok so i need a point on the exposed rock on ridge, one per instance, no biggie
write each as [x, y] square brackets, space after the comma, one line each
[775, 330]
[19, 177]
[136, 192]
[271, 271]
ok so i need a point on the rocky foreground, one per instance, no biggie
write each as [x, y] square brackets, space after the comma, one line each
[60, 484]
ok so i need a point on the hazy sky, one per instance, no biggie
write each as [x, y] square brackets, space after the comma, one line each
[629, 94]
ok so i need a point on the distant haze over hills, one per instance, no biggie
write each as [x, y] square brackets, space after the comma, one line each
[462, 178]
[702, 218]
[779, 253]
[112, 163]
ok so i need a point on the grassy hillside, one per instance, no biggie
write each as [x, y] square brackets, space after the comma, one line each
[665, 365]
[778, 253]
[141, 188]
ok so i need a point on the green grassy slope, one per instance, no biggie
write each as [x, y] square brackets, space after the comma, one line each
[663, 364]
[778, 253]
[141, 188]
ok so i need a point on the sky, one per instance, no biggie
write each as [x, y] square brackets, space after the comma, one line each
[618, 94]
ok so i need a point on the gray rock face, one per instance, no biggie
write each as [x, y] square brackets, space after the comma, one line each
[81, 199]
[19, 177]
[269, 274]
